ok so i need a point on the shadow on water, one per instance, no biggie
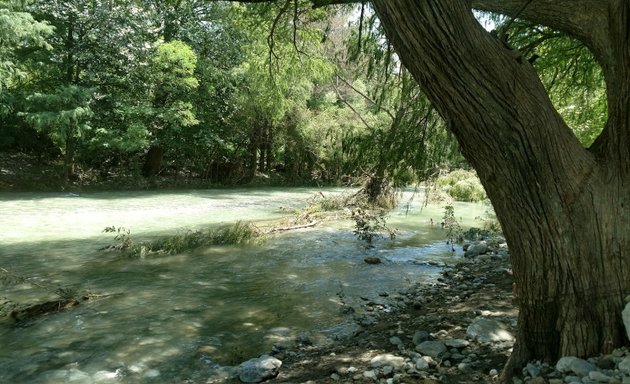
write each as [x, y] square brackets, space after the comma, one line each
[194, 310]
[177, 317]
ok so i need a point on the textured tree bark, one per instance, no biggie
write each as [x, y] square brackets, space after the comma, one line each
[153, 161]
[565, 210]
[252, 150]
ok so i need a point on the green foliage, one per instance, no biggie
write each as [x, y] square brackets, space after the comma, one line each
[233, 234]
[18, 31]
[570, 73]
[64, 116]
[462, 185]
[171, 79]
[370, 225]
[123, 237]
[454, 232]
[489, 221]
[10, 278]
[321, 203]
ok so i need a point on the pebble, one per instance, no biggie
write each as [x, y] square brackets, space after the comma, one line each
[422, 364]
[370, 374]
[420, 336]
[600, 377]
[387, 359]
[456, 343]
[532, 370]
[395, 340]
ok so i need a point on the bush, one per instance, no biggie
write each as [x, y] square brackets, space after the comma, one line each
[462, 185]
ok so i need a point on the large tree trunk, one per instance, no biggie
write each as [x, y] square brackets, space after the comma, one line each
[68, 159]
[153, 161]
[252, 150]
[565, 210]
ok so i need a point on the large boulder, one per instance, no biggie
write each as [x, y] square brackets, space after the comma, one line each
[624, 365]
[572, 364]
[488, 331]
[259, 369]
[476, 249]
[431, 348]
[626, 319]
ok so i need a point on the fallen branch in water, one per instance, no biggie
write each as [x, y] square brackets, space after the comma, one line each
[310, 224]
[21, 313]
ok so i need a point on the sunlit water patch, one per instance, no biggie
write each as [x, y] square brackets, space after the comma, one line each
[181, 317]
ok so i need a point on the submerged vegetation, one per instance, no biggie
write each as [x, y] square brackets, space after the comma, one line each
[64, 297]
[239, 233]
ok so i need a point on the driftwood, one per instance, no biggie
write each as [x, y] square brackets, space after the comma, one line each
[29, 312]
[36, 310]
[310, 224]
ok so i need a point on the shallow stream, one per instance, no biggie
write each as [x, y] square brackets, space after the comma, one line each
[177, 318]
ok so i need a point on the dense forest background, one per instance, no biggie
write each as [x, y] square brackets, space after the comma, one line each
[187, 92]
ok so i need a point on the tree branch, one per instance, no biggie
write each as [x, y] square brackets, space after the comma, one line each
[270, 38]
[586, 20]
[316, 3]
[352, 108]
[366, 97]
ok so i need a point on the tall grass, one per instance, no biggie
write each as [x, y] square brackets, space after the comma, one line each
[232, 234]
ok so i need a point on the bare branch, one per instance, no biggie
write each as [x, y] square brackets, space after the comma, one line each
[270, 38]
[351, 107]
[361, 25]
[316, 3]
[366, 97]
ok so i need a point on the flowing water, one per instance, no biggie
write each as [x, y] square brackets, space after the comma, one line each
[181, 317]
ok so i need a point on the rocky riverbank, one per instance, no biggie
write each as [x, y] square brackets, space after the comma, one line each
[458, 329]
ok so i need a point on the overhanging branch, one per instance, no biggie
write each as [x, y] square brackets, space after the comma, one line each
[586, 20]
[316, 3]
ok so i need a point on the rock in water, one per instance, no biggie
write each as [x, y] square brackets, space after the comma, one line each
[488, 331]
[626, 319]
[372, 260]
[260, 369]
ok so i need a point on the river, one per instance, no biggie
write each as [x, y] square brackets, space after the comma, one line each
[181, 317]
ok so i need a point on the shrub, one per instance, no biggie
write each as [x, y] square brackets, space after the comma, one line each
[462, 185]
